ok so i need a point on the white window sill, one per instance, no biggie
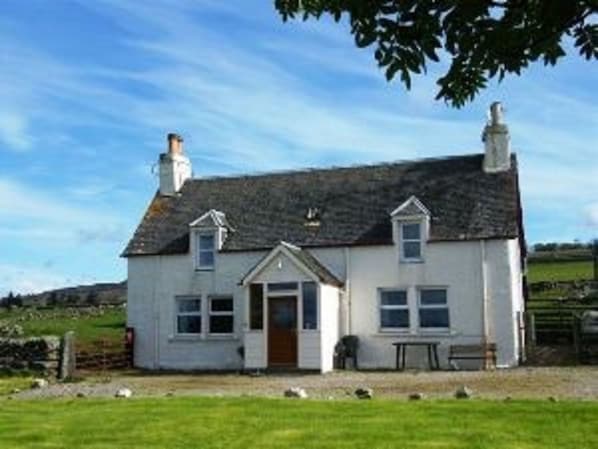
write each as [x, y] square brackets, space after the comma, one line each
[221, 337]
[416, 334]
[204, 268]
[411, 261]
[309, 331]
[185, 338]
[201, 337]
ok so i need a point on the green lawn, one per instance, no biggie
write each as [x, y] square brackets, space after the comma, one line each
[9, 383]
[245, 423]
[560, 271]
[87, 328]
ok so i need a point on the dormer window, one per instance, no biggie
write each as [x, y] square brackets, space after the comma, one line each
[411, 241]
[206, 246]
[209, 233]
[410, 223]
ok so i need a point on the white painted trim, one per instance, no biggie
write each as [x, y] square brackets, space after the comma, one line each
[281, 248]
[413, 199]
[399, 330]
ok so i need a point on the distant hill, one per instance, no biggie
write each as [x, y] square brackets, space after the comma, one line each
[96, 294]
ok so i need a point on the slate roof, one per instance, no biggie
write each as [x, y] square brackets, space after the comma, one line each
[314, 265]
[354, 204]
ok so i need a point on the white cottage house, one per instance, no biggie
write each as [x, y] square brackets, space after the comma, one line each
[271, 270]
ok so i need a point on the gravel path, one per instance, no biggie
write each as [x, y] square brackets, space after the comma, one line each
[562, 383]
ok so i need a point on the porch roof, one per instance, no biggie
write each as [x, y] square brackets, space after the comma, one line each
[303, 258]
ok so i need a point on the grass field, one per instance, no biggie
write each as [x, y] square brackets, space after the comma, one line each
[87, 328]
[560, 271]
[271, 423]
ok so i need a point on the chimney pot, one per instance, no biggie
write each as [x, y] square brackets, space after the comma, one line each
[175, 144]
[496, 113]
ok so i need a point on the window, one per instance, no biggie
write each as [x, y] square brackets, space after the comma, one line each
[221, 316]
[188, 316]
[411, 241]
[394, 310]
[310, 305]
[205, 250]
[282, 286]
[433, 309]
[256, 306]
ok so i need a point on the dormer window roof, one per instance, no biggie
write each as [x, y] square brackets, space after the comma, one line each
[413, 207]
[212, 219]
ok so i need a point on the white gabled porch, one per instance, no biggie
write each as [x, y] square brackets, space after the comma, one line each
[291, 313]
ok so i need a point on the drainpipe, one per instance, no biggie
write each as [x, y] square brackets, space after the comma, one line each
[156, 317]
[484, 270]
[348, 290]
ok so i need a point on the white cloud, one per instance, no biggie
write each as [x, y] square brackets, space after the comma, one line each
[14, 131]
[591, 214]
[27, 279]
[32, 214]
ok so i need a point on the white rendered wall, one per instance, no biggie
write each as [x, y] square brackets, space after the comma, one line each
[329, 325]
[454, 265]
[154, 281]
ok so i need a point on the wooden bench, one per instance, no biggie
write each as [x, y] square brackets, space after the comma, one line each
[485, 352]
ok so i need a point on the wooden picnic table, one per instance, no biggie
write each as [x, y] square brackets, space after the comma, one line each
[432, 347]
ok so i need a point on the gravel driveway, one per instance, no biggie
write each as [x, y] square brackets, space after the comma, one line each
[573, 383]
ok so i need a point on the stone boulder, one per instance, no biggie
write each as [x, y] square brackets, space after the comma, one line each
[364, 393]
[416, 396]
[463, 392]
[39, 383]
[123, 393]
[295, 392]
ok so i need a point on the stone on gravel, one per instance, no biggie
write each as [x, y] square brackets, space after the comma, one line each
[416, 396]
[552, 399]
[295, 392]
[81, 394]
[39, 383]
[123, 393]
[463, 392]
[364, 393]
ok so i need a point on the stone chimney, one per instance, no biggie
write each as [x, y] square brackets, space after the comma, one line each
[497, 145]
[175, 167]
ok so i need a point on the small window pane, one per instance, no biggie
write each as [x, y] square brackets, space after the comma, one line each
[206, 258]
[310, 305]
[189, 305]
[434, 317]
[394, 298]
[256, 306]
[206, 241]
[221, 324]
[411, 231]
[189, 324]
[280, 286]
[432, 297]
[411, 250]
[394, 318]
[221, 305]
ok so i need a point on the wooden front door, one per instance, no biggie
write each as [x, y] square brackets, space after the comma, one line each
[282, 331]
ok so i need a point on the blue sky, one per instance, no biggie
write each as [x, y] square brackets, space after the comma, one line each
[90, 88]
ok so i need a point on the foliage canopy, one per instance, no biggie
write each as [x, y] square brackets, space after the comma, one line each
[483, 39]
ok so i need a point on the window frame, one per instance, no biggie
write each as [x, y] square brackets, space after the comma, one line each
[406, 307]
[317, 308]
[212, 313]
[199, 250]
[403, 240]
[262, 301]
[198, 313]
[421, 306]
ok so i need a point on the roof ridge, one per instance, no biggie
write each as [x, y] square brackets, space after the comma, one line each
[302, 170]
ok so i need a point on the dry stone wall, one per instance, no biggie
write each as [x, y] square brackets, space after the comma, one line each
[35, 354]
